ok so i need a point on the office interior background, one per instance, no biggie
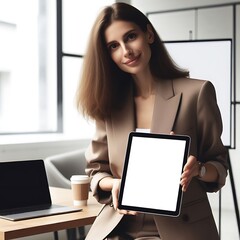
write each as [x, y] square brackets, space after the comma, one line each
[42, 44]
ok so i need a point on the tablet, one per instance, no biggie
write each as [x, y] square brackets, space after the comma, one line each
[151, 173]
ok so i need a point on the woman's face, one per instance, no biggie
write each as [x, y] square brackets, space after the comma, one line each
[129, 46]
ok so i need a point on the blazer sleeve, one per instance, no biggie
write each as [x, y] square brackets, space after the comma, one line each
[211, 148]
[98, 166]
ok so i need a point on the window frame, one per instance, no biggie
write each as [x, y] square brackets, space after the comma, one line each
[60, 56]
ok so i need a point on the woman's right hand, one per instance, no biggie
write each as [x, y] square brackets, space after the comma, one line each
[115, 193]
[113, 185]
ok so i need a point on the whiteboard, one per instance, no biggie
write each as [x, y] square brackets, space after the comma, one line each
[209, 60]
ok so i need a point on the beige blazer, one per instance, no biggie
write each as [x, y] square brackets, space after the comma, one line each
[185, 106]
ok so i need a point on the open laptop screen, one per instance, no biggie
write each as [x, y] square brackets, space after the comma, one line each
[23, 184]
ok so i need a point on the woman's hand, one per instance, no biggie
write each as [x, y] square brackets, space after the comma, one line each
[115, 193]
[113, 185]
[190, 170]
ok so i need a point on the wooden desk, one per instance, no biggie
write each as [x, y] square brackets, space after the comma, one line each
[17, 229]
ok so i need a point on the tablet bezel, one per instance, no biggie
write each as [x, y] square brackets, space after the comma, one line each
[173, 213]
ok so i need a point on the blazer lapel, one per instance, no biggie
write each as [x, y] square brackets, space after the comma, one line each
[123, 122]
[164, 114]
[165, 108]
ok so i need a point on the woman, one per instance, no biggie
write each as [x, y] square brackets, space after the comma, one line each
[129, 82]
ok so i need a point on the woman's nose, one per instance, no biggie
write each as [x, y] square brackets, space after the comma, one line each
[127, 51]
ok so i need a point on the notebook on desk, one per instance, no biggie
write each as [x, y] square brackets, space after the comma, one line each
[25, 191]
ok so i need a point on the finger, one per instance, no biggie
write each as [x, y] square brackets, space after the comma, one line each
[189, 173]
[126, 212]
[184, 188]
[114, 201]
[115, 191]
[121, 211]
[184, 181]
[185, 185]
[132, 213]
[186, 172]
[172, 133]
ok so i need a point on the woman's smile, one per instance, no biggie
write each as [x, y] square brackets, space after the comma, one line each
[133, 61]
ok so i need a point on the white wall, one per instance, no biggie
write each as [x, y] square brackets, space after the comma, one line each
[161, 5]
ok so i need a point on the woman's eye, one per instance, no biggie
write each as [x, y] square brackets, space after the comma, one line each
[132, 36]
[113, 46]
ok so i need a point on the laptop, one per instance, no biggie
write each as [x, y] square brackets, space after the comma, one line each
[25, 192]
[151, 173]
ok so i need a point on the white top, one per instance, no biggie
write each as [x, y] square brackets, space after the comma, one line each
[145, 130]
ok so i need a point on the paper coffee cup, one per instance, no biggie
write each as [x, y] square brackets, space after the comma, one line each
[80, 189]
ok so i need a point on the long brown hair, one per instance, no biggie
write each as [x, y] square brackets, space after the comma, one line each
[103, 86]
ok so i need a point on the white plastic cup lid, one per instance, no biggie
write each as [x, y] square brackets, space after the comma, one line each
[80, 179]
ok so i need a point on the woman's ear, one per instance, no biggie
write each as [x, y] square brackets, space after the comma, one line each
[150, 34]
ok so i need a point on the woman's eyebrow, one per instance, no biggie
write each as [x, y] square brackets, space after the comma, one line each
[124, 36]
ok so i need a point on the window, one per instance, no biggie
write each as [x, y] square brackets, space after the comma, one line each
[28, 82]
[42, 46]
[78, 17]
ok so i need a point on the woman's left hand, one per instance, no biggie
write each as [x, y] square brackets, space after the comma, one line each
[190, 170]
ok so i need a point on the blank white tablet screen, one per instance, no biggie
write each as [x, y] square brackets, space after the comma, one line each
[153, 174]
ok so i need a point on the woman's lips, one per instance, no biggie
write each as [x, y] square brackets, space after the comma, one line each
[132, 61]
